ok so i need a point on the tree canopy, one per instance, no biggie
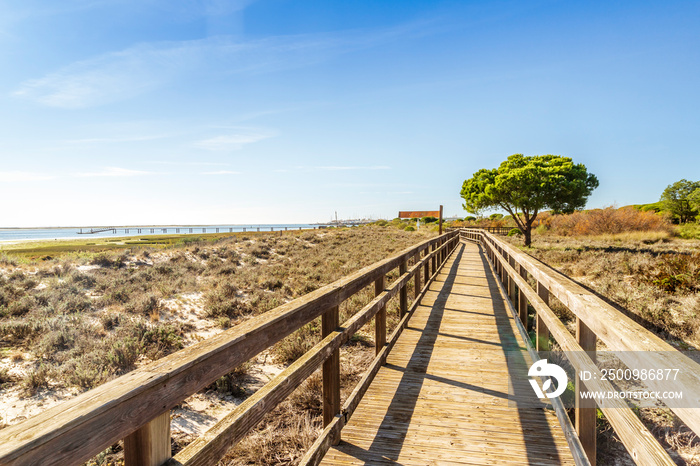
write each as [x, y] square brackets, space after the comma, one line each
[682, 199]
[523, 186]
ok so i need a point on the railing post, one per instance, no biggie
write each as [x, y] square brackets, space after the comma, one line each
[522, 300]
[331, 370]
[511, 284]
[433, 247]
[426, 266]
[403, 294]
[542, 339]
[585, 407]
[380, 318]
[418, 281]
[504, 275]
[150, 445]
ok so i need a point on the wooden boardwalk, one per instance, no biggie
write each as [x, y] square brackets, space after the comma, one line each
[442, 397]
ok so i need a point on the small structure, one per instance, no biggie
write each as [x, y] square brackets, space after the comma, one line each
[423, 213]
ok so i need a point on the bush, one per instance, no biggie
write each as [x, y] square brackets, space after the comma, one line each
[605, 221]
[689, 231]
[124, 354]
[515, 232]
[409, 228]
[38, 378]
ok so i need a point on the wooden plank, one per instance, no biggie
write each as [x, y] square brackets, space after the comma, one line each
[426, 267]
[403, 294]
[417, 286]
[332, 431]
[522, 301]
[331, 369]
[542, 340]
[149, 445]
[436, 401]
[585, 408]
[511, 287]
[380, 318]
[418, 213]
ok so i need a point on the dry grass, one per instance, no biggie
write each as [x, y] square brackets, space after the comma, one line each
[88, 318]
[608, 221]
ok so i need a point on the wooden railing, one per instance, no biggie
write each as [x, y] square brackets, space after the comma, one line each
[594, 319]
[135, 407]
[497, 230]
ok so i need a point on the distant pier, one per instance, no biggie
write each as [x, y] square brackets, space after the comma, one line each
[192, 230]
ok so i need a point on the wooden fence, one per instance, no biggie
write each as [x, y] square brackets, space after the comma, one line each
[135, 407]
[594, 319]
[497, 230]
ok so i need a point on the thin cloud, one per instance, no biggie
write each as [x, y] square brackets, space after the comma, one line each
[332, 168]
[230, 141]
[130, 72]
[222, 172]
[117, 139]
[203, 164]
[340, 168]
[20, 176]
[113, 172]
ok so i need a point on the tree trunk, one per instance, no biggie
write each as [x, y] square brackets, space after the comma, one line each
[528, 235]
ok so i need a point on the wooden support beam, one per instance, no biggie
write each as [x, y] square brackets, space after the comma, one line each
[380, 318]
[542, 343]
[522, 300]
[426, 268]
[418, 281]
[330, 320]
[585, 409]
[150, 445]
[511, 286]
[403, 294]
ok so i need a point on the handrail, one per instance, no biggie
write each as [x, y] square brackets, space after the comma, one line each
[135, 406]
[497, 230]
[595, 318]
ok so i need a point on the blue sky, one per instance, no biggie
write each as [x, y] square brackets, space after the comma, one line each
[212, 111]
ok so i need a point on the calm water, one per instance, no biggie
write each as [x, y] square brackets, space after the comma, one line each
[14, 234]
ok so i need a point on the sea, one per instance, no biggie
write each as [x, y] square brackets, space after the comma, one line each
[24, 234]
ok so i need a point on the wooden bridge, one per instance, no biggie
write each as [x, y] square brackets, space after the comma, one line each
[448, 386]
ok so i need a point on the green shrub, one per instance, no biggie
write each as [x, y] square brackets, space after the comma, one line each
[515, 232]
[21, 306]
[38, 378]
[123, 354]
[689, 231]
[409, 228]
[144, 305]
